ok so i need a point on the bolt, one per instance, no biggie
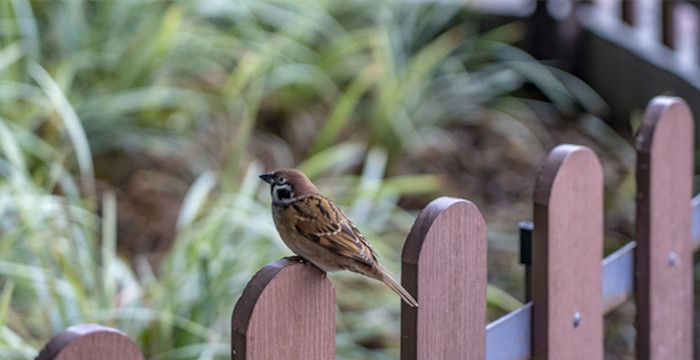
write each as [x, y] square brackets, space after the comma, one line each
[672, 259]
[577, 319]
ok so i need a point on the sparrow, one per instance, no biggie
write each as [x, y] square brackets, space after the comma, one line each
[315, 229]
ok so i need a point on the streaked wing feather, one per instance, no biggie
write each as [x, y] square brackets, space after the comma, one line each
[320, 220]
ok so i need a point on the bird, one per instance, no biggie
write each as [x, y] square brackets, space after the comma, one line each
[318, 231]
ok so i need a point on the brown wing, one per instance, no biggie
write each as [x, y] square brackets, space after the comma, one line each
[321, 221]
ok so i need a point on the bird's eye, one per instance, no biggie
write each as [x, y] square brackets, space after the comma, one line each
[281, 180]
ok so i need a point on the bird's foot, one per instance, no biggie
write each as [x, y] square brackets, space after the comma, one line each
[296, 258]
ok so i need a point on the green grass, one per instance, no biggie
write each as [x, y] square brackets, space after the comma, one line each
[339, 89]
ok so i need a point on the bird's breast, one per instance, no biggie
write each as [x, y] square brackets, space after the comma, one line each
[301, 245]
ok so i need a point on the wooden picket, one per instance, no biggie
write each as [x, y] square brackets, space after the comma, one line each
[567, 253]
[664, 262]
[90, 341]
[287, 311]
[444, 264]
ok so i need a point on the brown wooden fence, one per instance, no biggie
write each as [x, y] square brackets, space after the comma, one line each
[287, 311]
[608, 43]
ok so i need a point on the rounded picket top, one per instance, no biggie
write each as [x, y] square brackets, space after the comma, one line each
[444, 268]
[666, 117]
[567, 253]
[287, 311]
[567, 162]
[90, 341]
[664, 255]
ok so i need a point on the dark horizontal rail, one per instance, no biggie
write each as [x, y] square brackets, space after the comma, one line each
[618, 285]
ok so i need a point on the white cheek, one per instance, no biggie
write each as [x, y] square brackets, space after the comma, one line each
[275, 196]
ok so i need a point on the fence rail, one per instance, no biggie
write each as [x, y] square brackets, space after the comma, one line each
[287, 311]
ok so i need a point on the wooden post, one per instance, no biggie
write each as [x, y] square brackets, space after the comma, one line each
[628, 12]
[526, 255]
[567, 256]
[664, 257]
[287, 311]
[444, 267]
[90, 341]
[668, 24]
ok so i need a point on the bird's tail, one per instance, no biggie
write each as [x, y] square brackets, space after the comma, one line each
[393, 285]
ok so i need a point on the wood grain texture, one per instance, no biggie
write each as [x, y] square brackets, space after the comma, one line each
[287, 311]
[444, 267]
[567, 256]
[89, 342]
[664, 258]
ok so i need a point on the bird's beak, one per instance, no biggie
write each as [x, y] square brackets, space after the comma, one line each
[268, 178]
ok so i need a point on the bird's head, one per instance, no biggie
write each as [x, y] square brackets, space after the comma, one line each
[288, 184]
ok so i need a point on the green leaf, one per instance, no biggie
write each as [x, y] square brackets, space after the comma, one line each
[501, 300]
[5, 299]
[195, 198]
[339, 157]
[71, 122]
[343, 110]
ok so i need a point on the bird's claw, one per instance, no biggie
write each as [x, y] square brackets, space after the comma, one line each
[296, 258]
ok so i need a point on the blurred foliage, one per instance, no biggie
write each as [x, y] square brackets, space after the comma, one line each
[347, 86]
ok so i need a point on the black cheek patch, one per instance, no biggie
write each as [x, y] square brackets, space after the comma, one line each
[283, 194]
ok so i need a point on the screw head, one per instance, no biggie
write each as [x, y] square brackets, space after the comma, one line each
[672, 258]
[577, 319]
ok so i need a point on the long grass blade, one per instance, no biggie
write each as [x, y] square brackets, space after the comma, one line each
[72, 124]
